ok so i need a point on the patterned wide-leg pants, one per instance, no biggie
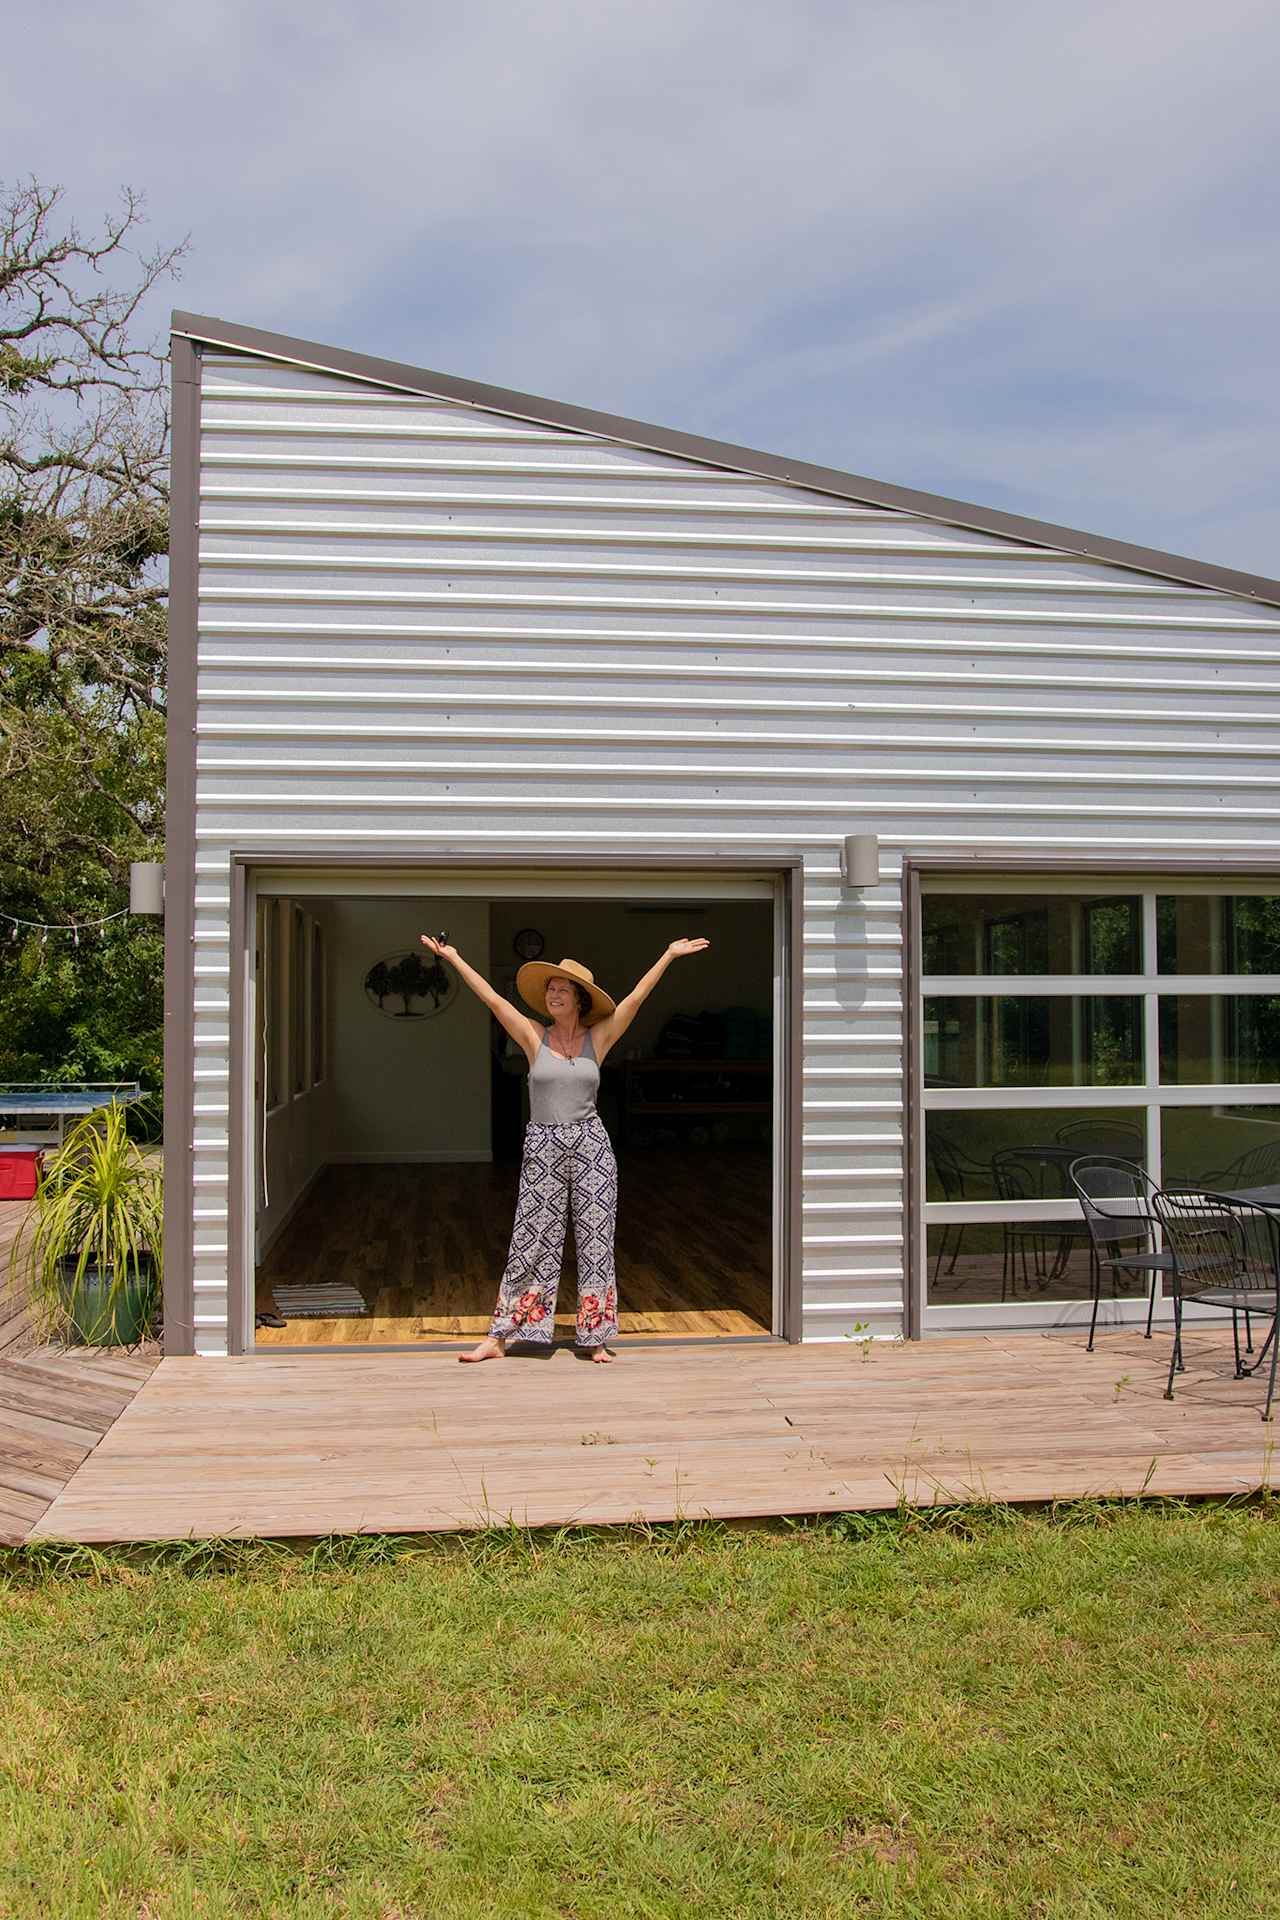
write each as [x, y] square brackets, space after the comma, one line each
[562, 1167]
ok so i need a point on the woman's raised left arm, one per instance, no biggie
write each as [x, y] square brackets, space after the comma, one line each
[607, 1032]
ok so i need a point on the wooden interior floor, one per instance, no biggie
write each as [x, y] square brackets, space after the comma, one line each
[425, 1244]
[290, 1444]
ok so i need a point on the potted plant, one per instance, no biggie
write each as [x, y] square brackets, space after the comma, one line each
[92, 1241]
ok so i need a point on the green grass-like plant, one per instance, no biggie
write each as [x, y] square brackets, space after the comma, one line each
[963, 1714]
[99, 1208]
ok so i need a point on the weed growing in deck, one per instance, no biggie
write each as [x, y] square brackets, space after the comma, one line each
[961, 1713]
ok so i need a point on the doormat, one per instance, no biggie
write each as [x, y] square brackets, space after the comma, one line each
[321, 1300]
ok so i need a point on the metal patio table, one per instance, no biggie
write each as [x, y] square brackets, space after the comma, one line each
[28, 1099]
[1268, 1198]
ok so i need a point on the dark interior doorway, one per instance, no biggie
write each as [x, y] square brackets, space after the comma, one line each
[399, 1184]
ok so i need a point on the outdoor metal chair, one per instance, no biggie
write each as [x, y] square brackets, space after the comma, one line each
[1112, 1139]
[1116, 1201]
[1225, 1254]
[953, 1171]
[1257, 1167]
[1035, 1173]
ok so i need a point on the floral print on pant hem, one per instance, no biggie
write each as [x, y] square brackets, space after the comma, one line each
[562, 1167]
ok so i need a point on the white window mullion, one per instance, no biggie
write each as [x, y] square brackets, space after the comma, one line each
[1150, 936]
[987, 1099]
[1151, 1026]
[1154, 1147]
[1029, 985]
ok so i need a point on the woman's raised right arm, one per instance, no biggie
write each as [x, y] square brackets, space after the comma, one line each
[526, 1032]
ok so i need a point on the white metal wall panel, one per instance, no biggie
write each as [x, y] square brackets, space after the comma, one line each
[418, 619]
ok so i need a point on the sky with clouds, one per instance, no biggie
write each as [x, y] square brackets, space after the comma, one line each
[1019, 254]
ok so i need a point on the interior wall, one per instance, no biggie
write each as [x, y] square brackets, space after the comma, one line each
[620, 944]
[295, 1140]
[420, 1089]
[413, 1089]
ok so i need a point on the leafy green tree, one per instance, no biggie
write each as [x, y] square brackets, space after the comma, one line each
[83, 535]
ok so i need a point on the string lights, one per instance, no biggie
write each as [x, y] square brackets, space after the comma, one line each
[45, 927]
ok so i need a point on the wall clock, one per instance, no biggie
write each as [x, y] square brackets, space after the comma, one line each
[529, 943]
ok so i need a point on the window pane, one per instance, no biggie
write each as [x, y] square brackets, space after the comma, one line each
[317, 1004]
[273, 999]
[1032, 1040]
[1220, 1146]
[297, 1003]
[1023, 933]
[1218, 933]
[1219, 1039]
[963, 1150]
[990, 1265]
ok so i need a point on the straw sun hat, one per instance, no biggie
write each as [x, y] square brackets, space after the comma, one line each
[531, 985]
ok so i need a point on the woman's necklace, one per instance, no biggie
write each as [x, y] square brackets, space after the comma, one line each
[572, 1058]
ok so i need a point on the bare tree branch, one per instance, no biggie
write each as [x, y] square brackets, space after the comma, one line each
[83, 444]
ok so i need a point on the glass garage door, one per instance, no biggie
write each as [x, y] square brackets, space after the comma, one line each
[1057, 1019]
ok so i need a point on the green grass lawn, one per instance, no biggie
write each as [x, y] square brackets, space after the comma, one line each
[997, 1714]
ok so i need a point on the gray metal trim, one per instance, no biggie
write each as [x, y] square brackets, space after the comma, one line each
[913, 1245]
[1087, 865]
[180, 852]
[792, 1328]
[344, 856]
[240, 1336]
[721, 453]
[790, 1116]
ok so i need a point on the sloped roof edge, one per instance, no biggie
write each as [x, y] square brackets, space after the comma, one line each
[721, 453]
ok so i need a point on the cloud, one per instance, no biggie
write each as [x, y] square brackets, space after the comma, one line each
[983, 248]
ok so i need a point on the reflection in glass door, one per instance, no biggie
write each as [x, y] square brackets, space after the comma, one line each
[1137, 1021]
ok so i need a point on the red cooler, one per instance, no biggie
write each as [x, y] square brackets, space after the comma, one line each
[19, 1172]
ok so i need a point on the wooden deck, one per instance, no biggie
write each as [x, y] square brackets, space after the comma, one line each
[308, 1444]
[55, 1406]
[15, 1308]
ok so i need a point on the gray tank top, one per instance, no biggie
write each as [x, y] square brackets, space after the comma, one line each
[563, 1092]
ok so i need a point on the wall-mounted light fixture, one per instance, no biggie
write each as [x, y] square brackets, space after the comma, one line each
[860, 860]
[146, 886]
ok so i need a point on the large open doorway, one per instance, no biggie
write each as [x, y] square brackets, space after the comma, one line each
[388, 1108]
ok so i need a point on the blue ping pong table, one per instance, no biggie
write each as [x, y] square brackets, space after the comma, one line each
[29, 1100]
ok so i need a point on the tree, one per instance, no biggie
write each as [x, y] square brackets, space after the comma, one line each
[378, 981]
[435, 981]
[407, 979]
[83, 535]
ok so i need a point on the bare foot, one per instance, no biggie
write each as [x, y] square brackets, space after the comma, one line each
[490, 1348]
[601, 1353]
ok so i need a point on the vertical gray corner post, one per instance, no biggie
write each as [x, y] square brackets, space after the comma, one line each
[240, 1151]
[793, 1083]
[179, 850]
[914, 1262]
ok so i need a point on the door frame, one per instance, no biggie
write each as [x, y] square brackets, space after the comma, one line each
[787, 871]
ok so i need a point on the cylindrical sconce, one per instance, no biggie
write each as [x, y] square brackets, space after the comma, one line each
[146, 886]
[860, 860]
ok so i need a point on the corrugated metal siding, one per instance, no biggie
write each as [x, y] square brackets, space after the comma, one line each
[416, 617]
